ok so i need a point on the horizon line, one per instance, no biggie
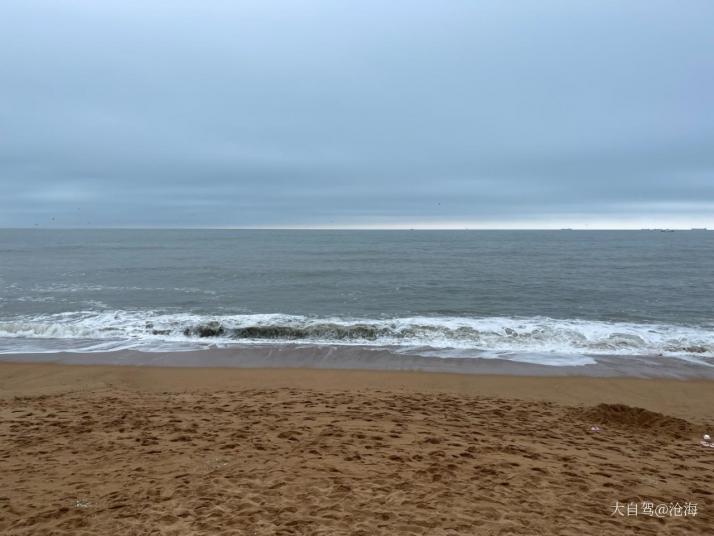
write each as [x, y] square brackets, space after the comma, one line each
[319, 228]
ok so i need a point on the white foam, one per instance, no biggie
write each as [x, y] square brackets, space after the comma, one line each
[532, 339]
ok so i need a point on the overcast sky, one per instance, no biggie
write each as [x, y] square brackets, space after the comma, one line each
[357, 113]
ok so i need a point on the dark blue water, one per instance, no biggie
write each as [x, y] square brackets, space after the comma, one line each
[503, 291]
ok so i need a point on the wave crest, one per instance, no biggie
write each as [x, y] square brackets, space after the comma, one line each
[148, 331]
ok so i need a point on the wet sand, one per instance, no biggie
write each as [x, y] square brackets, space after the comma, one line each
[379, 358]
[152, 450]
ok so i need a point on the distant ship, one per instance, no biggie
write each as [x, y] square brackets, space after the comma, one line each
[699, 228]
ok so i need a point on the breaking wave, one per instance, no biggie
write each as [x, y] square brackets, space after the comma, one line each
[153, 331]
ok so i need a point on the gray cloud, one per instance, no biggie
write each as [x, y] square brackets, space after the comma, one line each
[309, 113]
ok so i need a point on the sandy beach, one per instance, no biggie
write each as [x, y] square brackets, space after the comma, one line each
[152, 450]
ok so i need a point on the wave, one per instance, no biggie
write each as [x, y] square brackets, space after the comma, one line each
[148, 330]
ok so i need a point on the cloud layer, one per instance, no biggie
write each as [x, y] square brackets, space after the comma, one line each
[366, 114]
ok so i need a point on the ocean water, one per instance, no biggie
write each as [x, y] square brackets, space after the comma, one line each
[553, 297]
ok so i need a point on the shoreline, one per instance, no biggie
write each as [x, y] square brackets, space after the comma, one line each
[375, 359]
[378, 359]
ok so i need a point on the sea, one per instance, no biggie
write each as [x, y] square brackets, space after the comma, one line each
[548, 297]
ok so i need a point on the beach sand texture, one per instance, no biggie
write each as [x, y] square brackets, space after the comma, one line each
[131, 450]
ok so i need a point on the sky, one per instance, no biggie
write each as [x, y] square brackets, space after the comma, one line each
[357, 114]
